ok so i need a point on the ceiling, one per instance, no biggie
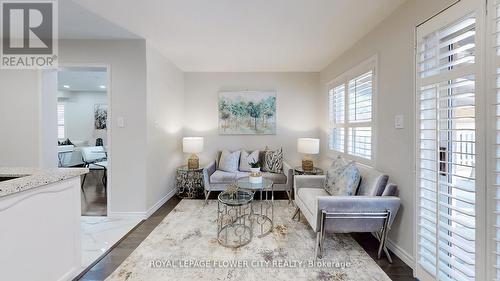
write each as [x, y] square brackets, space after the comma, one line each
[76, 22]
[82, 80]
[238, 35]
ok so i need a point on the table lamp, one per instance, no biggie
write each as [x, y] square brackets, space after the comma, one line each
[192, 145]
[307, 146]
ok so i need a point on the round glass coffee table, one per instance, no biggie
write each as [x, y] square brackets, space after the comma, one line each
[234, 224]
[263, 209]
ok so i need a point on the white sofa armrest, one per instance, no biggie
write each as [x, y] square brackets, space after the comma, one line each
[208, 170]
[288, 171]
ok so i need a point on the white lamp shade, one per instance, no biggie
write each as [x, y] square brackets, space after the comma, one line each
[192, 144]
[308, 146]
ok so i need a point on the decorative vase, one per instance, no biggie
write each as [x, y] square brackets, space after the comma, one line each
[255, 178]
[255, 170]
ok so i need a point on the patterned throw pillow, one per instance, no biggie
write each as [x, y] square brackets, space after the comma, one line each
[333, 173]
[348, 183]
[247, 158]
[342, 179]
[273, 161]
[229, 161]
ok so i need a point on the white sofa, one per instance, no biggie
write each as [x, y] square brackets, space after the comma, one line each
[217, 180]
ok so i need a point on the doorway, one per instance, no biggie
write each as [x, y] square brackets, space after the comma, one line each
[83, 132]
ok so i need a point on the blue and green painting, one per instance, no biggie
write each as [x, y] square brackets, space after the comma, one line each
[247, 113]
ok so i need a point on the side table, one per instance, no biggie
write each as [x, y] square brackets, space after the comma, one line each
[189, 182]
[297, 170]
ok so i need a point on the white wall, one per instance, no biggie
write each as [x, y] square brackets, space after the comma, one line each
[393, 41]
[296, 110]
[165, 102]
[79, 115]
[19, 118]
[127, 61]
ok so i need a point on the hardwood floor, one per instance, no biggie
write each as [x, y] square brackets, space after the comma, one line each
[397, 271]
[94, 200]
[101, 269]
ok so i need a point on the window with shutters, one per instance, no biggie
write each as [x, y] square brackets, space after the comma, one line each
[494, 125]
[446, 146]
[60, 121]
[351, 112]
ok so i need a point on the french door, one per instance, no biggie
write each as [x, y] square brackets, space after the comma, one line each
[450, 146]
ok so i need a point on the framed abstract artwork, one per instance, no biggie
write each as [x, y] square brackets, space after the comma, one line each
[247, 113]
[100, 116]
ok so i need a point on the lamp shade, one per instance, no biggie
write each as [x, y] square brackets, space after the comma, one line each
[192, 144]
[308, 146]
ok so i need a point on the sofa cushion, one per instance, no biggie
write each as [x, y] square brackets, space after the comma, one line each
[273, 161]
[229, 161]
[347, 183]
[247, 158]
[240, 175]
[222, 177]
[277, 178]
[372, 182]
[309, 197]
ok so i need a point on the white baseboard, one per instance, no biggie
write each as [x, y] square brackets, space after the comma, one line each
[146, 214]
[159, 203]
[71, 274]
[402, 254]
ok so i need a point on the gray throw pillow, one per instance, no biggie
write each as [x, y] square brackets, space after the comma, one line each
[229, 161]
[273, 161]
[247, 158]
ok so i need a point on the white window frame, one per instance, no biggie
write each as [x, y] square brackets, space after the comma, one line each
[361, 68]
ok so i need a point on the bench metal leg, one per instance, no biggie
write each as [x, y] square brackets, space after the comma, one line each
[383, 239]
[321, 236]
[318, 240]
[296, 212]
[207, 194]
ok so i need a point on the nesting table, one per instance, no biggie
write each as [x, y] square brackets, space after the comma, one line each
[239, 216]
[234, 224]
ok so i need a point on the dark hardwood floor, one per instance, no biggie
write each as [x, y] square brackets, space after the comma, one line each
[397, 271]
[94, 200]
[101, 269]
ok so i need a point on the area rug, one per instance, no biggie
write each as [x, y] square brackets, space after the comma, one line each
[184, 247]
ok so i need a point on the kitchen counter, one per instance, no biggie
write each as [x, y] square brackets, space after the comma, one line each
[40, 226]
[29, 178]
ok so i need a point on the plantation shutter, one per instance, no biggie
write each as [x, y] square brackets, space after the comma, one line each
[337, 117]
[446, 145]
[360, 115]
[60, 121]
[495, 148]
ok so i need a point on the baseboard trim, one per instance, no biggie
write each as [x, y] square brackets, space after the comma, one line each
[160, 203]
[127, 215]
[402, 254]
[144, 215]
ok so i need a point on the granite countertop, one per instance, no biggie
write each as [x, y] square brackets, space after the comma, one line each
[29, 178]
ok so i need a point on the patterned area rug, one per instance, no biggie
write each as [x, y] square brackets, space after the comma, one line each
[184, 247]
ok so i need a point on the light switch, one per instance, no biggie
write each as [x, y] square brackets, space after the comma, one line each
[399, 122]
[120, 122]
